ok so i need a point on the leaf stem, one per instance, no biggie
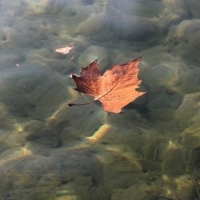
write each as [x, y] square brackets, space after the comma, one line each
[80, 104]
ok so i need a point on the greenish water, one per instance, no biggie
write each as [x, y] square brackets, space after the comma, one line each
[50, 151]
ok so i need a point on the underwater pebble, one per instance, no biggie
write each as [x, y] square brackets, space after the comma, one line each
[8, 60]
[173, 12]
[194, 7]
[92, 26]
[92, 53]
[10, 34]
[174, 157]
[139, 192]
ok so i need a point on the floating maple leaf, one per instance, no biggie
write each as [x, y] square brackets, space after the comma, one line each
[64, 50]
[115, 89]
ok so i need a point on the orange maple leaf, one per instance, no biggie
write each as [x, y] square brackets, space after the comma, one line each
[115, 89]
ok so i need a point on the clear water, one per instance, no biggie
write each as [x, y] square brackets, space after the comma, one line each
[50, 151]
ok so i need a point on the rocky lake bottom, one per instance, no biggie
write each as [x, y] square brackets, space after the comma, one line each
[49, 150]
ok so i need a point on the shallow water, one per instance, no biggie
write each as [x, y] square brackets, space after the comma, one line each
[49, 150]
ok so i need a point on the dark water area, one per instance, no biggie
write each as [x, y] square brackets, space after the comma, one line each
[50, 151]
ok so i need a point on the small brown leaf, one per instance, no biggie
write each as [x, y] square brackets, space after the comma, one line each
[64, 50]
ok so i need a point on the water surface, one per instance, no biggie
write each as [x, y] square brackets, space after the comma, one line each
[49, 150]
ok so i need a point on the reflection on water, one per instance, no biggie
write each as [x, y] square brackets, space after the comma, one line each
[51, 151]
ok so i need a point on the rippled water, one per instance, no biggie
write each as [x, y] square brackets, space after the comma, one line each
[50, 151]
